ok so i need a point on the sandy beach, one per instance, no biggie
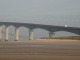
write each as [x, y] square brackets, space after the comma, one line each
[40, 50]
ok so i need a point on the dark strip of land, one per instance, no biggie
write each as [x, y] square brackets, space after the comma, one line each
[68, 37]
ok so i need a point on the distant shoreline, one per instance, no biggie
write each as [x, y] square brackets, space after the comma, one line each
[68, 37]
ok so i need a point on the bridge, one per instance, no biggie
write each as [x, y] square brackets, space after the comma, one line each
[31, 27]
[12, 36]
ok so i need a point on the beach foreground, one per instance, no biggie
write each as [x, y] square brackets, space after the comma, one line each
[40, 50]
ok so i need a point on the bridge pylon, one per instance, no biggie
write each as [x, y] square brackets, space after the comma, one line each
[16, 33]
[31, 34]
[7, 33]
[51, 34]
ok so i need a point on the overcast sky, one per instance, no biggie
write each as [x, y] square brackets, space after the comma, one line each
[40, 11]
[41, 8]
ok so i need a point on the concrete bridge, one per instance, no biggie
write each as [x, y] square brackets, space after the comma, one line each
[31, 26]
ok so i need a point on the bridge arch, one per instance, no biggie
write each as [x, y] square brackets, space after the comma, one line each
[64, 33]
[2, 32]
[40, 32]
[24, 33]
[11, 32]
[75, 32]
[42, 28]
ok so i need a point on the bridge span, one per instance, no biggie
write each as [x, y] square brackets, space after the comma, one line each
[31, 27]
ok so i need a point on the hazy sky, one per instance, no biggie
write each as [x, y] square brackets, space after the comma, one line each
[41, 8]
[23, 10]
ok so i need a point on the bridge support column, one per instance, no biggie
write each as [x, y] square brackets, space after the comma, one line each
[0, 33]
[16, 34]
[7, 33]
[31, 34]
[51, 34]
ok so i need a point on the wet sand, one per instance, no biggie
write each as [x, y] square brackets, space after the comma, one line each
[40, 50]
